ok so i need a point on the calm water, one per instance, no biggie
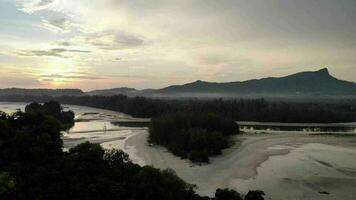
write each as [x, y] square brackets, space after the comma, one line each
[92, 119]
[322, 128]
[87, 119]
[308, 172]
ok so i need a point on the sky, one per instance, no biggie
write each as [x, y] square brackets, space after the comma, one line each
[96, 44]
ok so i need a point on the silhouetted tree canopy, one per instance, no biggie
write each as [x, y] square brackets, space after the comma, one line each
[255, 195]
[226, 194]
[34, 167]
[240, 110]
[192, 135]
[7, 184]
[54, 109]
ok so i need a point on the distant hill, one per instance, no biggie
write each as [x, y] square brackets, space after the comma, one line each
[41, 92]
[311, 84]
[304, 84]
[113, 91]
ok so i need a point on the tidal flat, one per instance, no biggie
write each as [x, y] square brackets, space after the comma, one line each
[284, 165]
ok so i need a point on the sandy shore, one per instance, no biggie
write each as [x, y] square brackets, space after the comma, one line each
[243, 162]
[287, 165]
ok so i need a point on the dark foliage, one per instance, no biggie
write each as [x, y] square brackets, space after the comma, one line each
[240, 110]
[31, 153]
[192, 135]
[255, 195]
[7, 184]
[53, 109]
[226, 194]
[33, 166]
[32, 157]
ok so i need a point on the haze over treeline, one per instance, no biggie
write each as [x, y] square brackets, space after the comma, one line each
[236, 94]
[239, 110]
[315, 85]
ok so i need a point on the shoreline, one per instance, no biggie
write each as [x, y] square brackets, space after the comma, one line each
[283, 164]
[237, 164]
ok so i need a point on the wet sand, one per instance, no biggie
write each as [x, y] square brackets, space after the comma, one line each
[287, 165]
[281, 165]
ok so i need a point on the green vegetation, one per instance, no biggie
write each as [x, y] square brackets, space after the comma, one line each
[132, 124]
[227, 194]
[255, 195]
[53, 109]
[195, 136]
[239, 110]
[33, 166]
[7, 184]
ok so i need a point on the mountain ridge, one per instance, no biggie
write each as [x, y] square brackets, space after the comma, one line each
[41, 92]
[315, 84]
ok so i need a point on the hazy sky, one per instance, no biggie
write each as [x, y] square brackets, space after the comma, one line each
[91, 44]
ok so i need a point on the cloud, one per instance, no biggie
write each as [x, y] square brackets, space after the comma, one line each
[19, 80]
[57, 52]
[61, 25]
[64, 77]
[37, 5]
[44, 2]
[113, 40]
[66, 44]
[183, 40]
[212, 59]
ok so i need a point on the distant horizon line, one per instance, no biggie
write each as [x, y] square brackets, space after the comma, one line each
[122, 87]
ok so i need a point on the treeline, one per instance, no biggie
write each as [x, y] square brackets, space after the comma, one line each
[192, 135]
[239, 110]
[33, 166]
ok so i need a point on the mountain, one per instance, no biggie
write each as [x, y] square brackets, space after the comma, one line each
[113, 91]
[305, 84]
[41, 92]
[311, 84]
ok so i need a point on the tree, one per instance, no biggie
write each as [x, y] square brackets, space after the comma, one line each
[33, 166]
[7, 184]
[116, 157]
[53, 109]
[34, 107]
[226, 194]
[30, 152]
[192, 135]
[255, 195]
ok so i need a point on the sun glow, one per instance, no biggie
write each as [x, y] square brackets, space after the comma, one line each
[56, 72]
[57, 83]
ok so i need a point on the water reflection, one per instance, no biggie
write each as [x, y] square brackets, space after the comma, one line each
[87, 119]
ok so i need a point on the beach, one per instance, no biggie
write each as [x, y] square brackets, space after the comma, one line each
[284, 166]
